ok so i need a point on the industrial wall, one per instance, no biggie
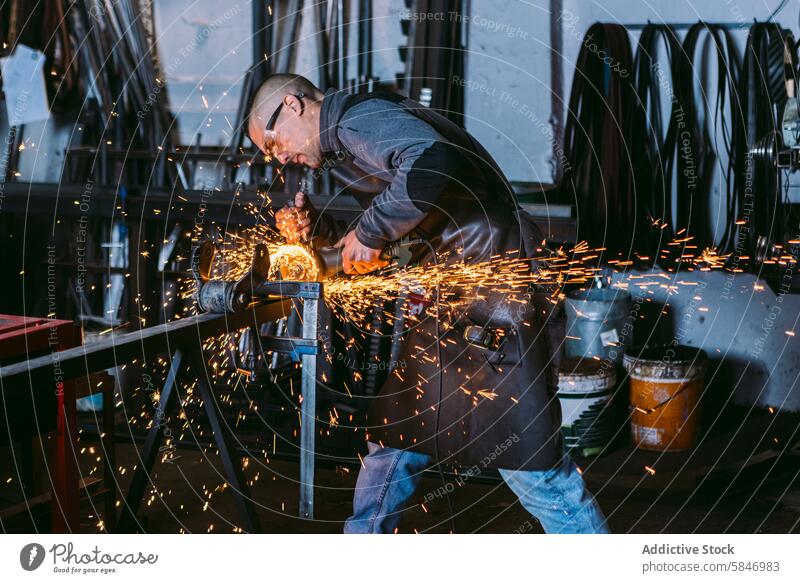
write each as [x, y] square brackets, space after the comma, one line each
[512, 100]
[519, 67]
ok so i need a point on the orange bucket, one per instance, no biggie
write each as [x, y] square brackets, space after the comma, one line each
[665, 387]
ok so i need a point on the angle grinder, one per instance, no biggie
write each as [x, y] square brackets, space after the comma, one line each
[220, 296]
[330, 263]
[293, 263]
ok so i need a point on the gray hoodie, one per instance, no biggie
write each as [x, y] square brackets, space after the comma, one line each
[416, 164]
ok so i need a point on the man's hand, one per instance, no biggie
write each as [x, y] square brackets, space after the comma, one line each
[358, 258]
[294, 222]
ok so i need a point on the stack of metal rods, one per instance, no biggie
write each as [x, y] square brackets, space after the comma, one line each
[119, 58]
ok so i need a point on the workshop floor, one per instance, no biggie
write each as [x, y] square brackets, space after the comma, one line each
[707, 490]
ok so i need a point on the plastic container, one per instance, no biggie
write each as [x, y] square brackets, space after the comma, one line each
[666, 383]
[585, 390]
[597, 323]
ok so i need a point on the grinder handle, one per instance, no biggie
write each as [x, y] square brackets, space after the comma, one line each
[330, 262]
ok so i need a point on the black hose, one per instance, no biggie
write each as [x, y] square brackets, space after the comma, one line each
[599, 138]
[697, 134]
[656, 160]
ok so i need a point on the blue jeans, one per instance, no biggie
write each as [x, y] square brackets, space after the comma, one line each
[558, 498]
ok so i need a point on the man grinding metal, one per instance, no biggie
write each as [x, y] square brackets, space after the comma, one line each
[436, 184]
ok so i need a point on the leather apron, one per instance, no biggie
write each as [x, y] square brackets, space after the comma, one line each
[463, 404]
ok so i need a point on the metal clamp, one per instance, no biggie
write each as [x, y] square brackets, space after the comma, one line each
[220, 296]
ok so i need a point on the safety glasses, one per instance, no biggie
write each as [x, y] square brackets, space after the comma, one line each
[270, 135]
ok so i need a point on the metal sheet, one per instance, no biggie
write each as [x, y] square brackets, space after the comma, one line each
[746, 329]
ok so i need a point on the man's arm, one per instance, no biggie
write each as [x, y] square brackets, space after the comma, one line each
[423, 171]
[302, 222]
[420, 159]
